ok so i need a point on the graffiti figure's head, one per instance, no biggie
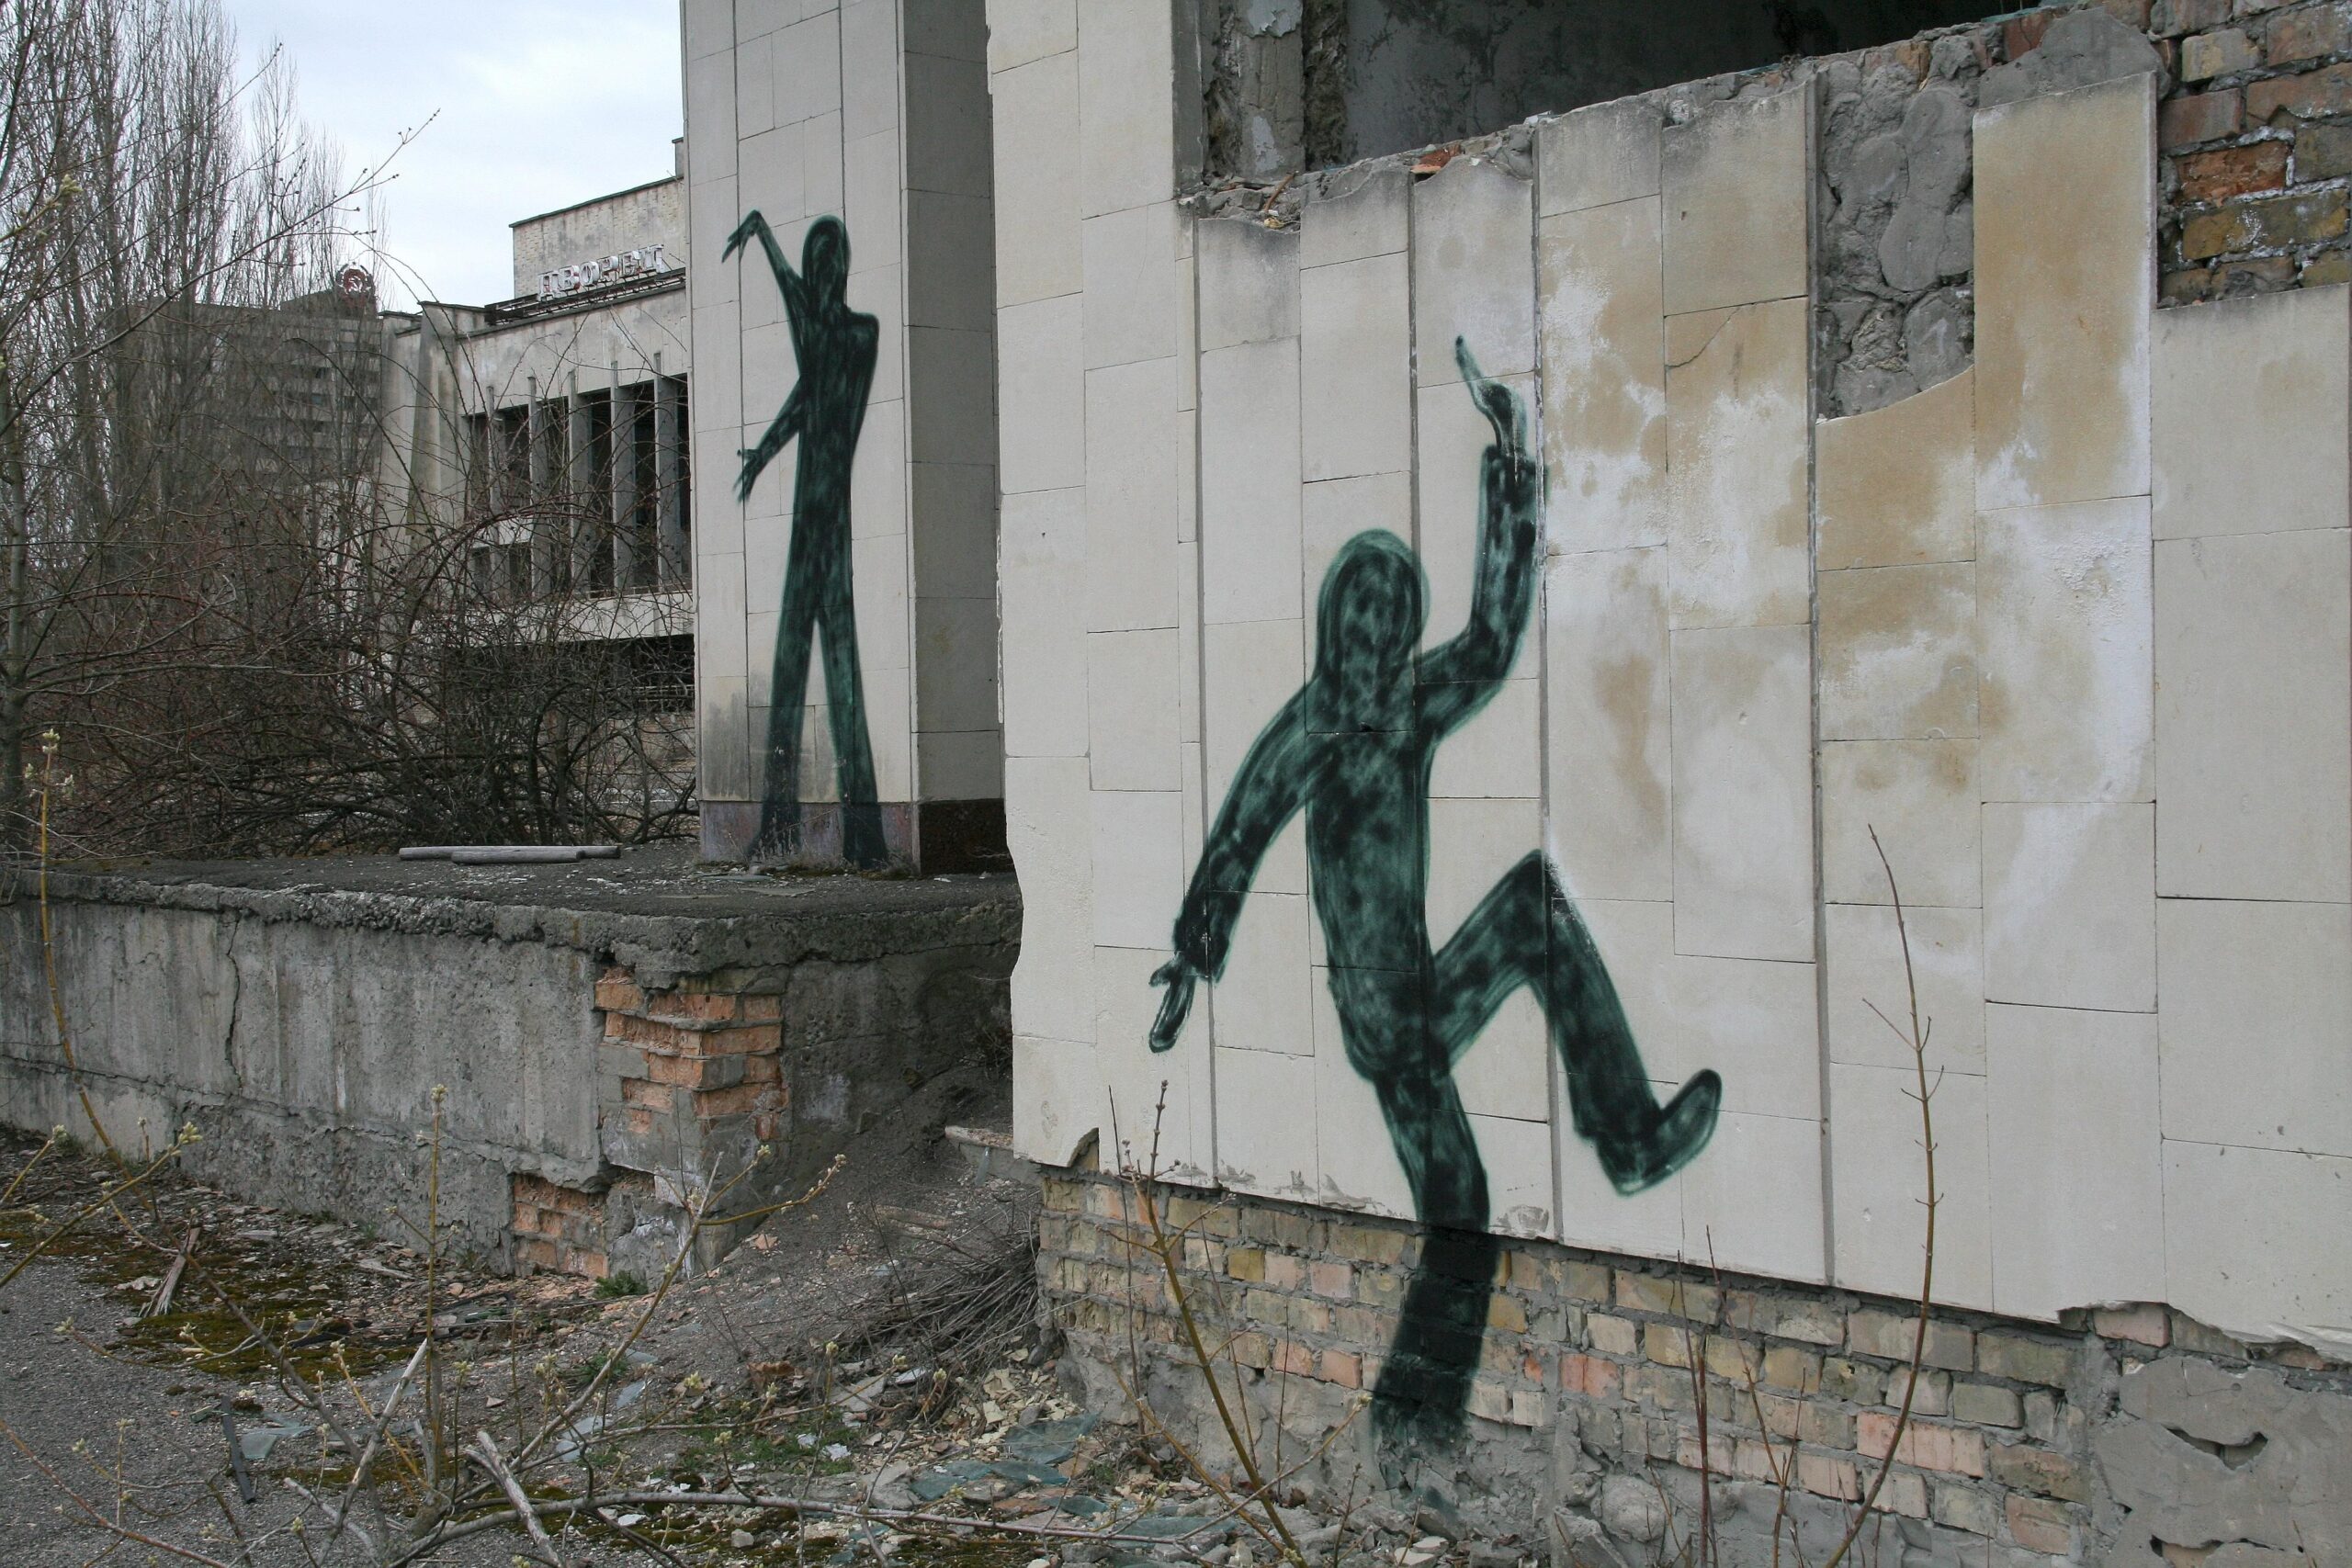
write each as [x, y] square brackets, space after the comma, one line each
[824, 259]
[1367, 624]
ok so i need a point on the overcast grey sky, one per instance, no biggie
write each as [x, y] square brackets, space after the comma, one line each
[542, 103]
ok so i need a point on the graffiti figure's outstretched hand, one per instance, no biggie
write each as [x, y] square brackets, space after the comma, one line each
[1180, 977]
[1498, 402]
[1459, 675]
[786, 424]
[754, 226]
[1509, 468]
[788, 282]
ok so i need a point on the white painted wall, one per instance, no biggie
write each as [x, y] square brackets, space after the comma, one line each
[2071, 631]
[875, 111]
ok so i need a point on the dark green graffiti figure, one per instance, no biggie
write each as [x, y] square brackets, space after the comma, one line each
[835, 348]
[1353, 749]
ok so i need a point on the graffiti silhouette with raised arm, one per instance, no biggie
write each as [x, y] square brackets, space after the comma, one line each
[1352, 749]
[835, 348]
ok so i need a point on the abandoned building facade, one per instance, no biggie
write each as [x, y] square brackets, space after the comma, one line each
[1561, 613]
[550, 431]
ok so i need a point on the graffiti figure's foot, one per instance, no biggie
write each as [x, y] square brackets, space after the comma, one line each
[1406, 1434]
[776, 842]
[863, 844]
[1672, 1142]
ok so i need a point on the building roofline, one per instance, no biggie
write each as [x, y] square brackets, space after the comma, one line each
[525, 309]
[596, 200]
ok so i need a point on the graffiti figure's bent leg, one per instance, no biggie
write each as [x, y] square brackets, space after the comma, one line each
[1425, 1385]
[779, 834]
[862, 843]
[1526, 932]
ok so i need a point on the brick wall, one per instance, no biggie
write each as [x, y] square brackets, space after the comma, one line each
[2256, 134]
[767, 1068]
[558, 1229]
[685, 1060]
[1605, 1358]
[691, 1080]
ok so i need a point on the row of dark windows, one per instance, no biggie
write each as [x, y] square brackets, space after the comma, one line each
[602, 483]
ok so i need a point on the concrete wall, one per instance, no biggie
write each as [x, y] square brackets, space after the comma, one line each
[590, 350]
[2068, 628]
[874, 116]
[607, 1042]
[307, 1053]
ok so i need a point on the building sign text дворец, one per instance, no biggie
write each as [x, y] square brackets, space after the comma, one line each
[580, 276]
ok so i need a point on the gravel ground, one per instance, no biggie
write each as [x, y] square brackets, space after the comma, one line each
[144, 1439]
[874, 1350]
[803, 1365]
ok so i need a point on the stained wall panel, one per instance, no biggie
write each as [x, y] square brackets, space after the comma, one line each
[2032, 682]
[2065, 271]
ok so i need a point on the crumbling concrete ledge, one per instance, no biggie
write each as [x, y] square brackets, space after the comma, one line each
[610, 1035]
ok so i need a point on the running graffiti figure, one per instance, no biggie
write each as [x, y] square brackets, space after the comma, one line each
[835, 348]
[1353, 750]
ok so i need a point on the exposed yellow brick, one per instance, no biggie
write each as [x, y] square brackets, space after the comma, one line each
[1672, 1297]
[1588, 1282]
[1785, 1366]
[1827, 1477]
[1369, 1243]
[1666, 1344]
[2026, 1360]
[1731, 1358]
[1927, 1446]
[1613, 1335]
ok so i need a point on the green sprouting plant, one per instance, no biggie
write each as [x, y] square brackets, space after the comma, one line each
[620, 1283]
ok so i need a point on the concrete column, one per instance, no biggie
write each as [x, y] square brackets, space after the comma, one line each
[869, 116]
[670, 527]
[581, 515]
[546, 537]
[622, 474]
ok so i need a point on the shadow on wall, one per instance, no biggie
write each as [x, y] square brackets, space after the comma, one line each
[1353, 749]
[836, 349]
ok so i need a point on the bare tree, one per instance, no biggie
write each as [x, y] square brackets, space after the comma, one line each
[253, 632]
[152, 204]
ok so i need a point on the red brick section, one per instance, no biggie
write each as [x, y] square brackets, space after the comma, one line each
[557, 1229]
[679, 1059]
[695, 1049]
[1792, 1377]
[2254, 136]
